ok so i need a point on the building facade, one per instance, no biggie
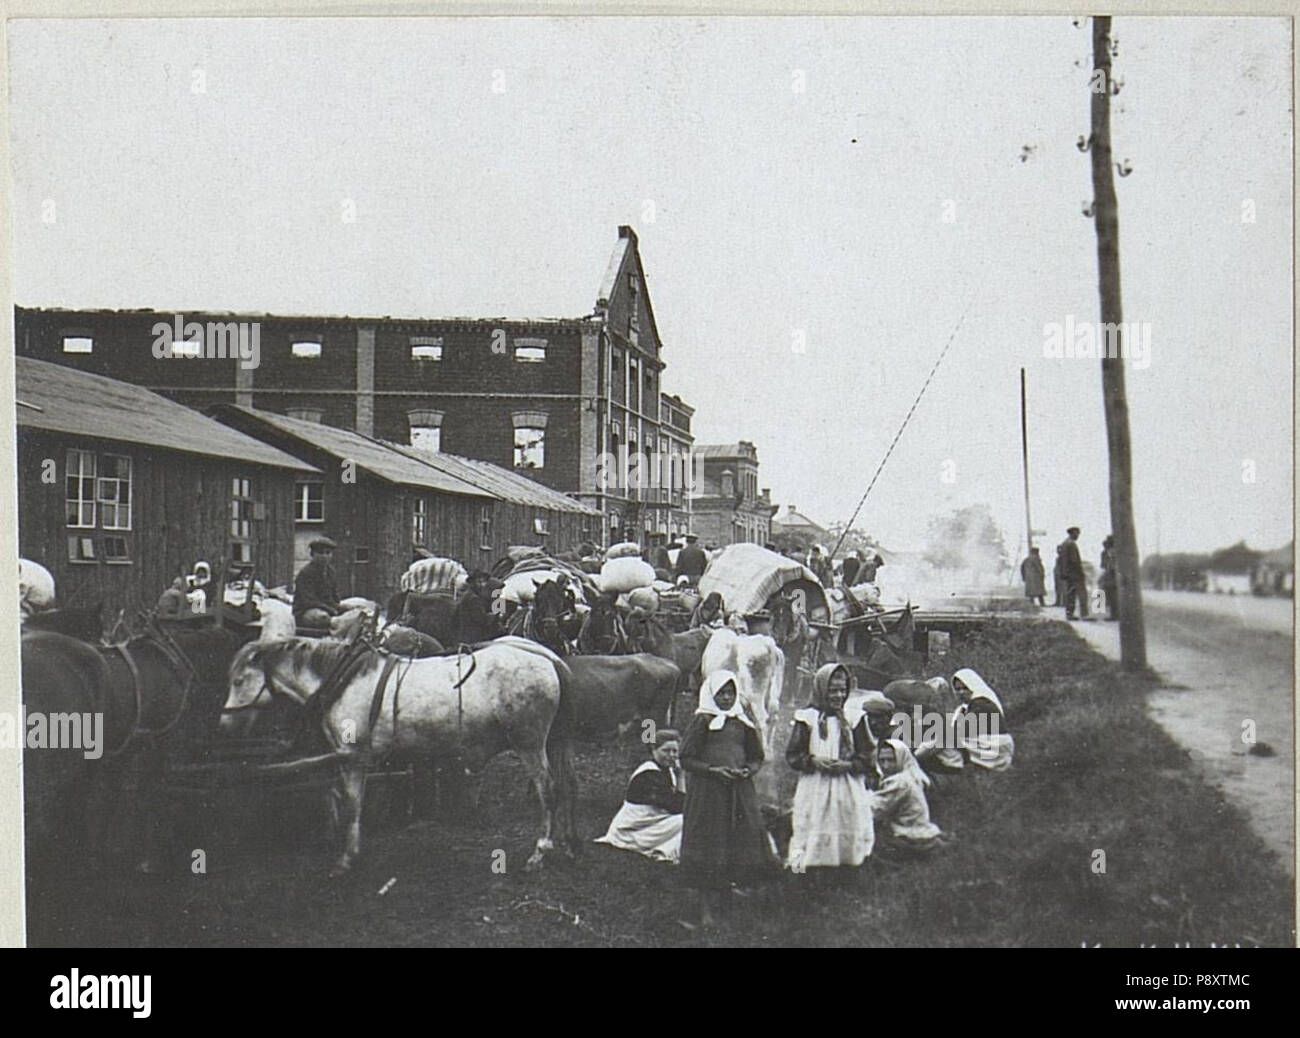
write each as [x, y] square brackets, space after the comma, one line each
[728, 507]
[547, 398]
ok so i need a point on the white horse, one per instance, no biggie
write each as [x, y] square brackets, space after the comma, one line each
[511, 694]
[759, 666]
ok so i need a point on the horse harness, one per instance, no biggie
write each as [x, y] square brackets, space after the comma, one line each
[177, 659]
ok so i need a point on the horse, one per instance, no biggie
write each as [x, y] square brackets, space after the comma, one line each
[407, 641]
[612, 691]
[551, 617]
[759, 667]
[602, 631]
[647, 633]
[153, 692]
[432, 613]
[85, 624]
[509, 694]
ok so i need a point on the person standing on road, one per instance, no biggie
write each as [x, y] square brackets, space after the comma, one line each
[1107, 581]
[1031, 571]
[1076, 586]
[691, 561]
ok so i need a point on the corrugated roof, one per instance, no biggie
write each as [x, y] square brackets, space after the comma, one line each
[375, 456]
[498, 481]
[63, 399]
[254, 315]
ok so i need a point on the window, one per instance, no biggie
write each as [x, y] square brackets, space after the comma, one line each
[633, 306]
[305, 414]
[78, 344]
[539, 527]
[616, 369]
[530, 447]
[530, 351]
[187, 348]
[420, 521]
[116, 550]
[425, 429]
[362, 555]
[241, 520]
[633, 386]
[305, 348]
[309, 502]
[80, 490]
[485, 525]
[426, 347]
[114, 492]
[81, 549]
[530, 439]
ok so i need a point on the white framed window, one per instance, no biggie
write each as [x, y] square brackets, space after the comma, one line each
[81, 549]
[485, 526]
[241, 519]
[78, 344]
[113, 491]
[79, 482]
[309, 502]
[306, 348]
[426, 347]
[420, 521]
[530, 351]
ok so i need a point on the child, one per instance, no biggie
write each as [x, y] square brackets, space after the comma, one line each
[723, 839]
[900, 800]
[833, 753]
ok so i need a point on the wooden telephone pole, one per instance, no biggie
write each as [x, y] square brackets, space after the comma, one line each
[1132, 635]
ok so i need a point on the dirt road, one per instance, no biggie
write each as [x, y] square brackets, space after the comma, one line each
[1228, 662]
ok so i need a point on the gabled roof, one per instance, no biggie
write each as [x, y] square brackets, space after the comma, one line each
[794, 518]
[627, 253]
[62, 399]
[374, 456]
[743, 449]
[498, 481]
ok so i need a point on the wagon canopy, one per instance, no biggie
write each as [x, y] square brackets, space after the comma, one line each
[747, 575]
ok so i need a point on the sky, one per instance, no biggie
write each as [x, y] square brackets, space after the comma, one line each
[819, 203]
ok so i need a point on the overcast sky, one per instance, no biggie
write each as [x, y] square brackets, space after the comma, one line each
[817, 202]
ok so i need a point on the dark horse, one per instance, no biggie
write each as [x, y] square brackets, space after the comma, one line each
[150, 694]
[551, 618]
[602, 632]
[433, 613]
[85, 625]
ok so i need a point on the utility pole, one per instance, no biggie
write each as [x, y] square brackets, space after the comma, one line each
[1024, 458]
[1132, 636]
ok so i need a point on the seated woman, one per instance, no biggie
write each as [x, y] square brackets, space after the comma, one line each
[901, 801]
[650, 820]
[832, 752]
[979, 722]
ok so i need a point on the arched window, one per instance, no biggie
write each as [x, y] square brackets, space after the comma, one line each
[425, 429]
[530, 439]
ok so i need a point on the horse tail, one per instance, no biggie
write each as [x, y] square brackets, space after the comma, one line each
[559, 755]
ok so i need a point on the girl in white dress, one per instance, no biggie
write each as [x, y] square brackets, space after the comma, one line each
[833, 751]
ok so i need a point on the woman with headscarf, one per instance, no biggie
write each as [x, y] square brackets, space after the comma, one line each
[650, 820]
[723, 837]
[901, 801]
[710, 612]
[979, 721]
[833, 751]
[200, 584]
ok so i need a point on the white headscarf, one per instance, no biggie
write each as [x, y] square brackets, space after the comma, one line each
[707, 705]
[907, 765]
[978, 687]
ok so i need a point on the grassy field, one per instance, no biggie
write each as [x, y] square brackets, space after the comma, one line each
[1092, 773]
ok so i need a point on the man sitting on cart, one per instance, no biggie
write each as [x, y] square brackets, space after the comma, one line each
[315, 593]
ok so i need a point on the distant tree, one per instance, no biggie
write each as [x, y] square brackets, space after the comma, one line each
[793, 540]
[854, 540]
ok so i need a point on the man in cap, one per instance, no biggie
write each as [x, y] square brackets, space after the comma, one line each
[691, 560]
[1076, 587]
[315, 593]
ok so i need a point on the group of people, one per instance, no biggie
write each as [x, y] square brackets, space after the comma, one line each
[859, 567]
[694, 803]
[1071, 585]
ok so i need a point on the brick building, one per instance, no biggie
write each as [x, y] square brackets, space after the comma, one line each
[727, 506]
[544, 397]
